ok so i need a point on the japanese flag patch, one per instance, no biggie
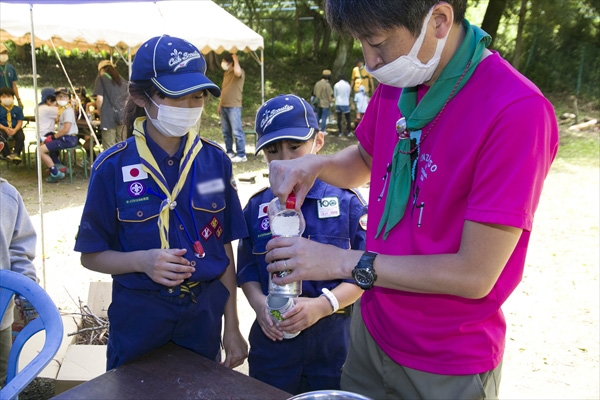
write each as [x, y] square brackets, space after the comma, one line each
[263, 210]
[133, 173]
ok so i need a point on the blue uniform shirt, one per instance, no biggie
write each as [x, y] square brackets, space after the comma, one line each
[332, 216]
[8, 75]
[123, 203]
[16, 115]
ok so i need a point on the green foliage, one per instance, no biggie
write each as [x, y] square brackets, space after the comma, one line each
[561, 45]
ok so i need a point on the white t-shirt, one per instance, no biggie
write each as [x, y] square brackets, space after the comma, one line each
[68, 115]
[47, 118]
[341, 91]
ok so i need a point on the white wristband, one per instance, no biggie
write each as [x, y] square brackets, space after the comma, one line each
[332, 299]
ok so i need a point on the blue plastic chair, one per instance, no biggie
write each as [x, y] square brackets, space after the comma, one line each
[49, 319]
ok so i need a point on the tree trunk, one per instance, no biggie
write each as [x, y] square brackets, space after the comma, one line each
[519, 39]
[342, 52]
[491, 20]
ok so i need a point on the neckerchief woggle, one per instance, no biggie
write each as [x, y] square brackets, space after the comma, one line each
[193, 145]
[419, 115]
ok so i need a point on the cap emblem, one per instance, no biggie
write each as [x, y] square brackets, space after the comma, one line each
[270, 115]
[180, 59]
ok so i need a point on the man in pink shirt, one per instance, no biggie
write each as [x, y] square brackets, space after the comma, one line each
[456, 145]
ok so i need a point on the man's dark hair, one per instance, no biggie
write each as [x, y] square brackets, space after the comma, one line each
[227, 57]
[363, 18]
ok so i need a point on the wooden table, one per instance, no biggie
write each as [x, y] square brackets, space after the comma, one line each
[172, 372]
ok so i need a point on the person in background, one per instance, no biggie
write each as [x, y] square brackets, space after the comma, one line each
[17, 251]
[11, 123]
[324, 93]
[361, 77]
[230, 107]
[341, 93]
[64, 138]
[452, 200]
[8, 74]
[161, 212]
[82, 107]
[312, 360]
[361, 100]
[110, 90]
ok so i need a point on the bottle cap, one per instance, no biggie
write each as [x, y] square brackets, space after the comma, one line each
[290, 203]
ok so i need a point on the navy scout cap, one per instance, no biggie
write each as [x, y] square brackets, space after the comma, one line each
[286, 116]
[174, 65]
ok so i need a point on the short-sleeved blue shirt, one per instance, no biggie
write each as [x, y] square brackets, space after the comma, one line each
[16, 115]
[123, 203]
[333, 216]
[8, 75]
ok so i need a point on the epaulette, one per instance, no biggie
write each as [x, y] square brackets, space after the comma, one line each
[359, 195]
[212, 143]
[259, 191]
[109, 153]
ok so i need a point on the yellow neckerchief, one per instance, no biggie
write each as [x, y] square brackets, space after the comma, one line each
[61, 109]
[193, 145]
[8, 116]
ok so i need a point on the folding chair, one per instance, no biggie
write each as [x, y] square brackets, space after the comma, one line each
[49, 320]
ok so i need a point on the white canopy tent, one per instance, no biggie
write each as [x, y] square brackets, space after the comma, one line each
[122, 25]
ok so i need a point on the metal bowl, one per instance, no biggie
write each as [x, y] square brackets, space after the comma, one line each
[329, 395]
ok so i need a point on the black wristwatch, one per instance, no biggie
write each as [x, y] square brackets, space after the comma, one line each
[364, 273]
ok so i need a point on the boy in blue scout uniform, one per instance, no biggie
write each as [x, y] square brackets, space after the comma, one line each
[287, 128]
[161, 212]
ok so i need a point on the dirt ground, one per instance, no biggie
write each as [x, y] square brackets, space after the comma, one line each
[553, 337]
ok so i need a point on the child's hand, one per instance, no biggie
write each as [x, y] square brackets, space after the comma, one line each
[267, 325]
[305, 313]
[167, 266]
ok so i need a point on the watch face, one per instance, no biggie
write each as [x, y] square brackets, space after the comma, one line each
[363, 278]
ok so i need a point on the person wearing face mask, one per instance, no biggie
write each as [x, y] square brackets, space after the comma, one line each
[456, 145]
[110, 90]
[287, 129]
[161, 212]
[230, 107]
[11, 122]
[8, 74]
[64, 138]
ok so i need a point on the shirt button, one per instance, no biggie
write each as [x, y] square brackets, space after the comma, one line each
[181, 227]
[170, 290]
[170, 163]
[193, 263]
[214, 205]
[140, 214]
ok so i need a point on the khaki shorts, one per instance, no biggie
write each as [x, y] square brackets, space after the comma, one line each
[370, 372]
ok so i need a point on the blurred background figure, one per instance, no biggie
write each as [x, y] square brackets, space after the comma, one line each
[8, 74]
[110, 90]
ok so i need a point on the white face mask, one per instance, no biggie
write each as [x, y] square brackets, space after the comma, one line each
[408, 70]
[224, 65]
[174, 121]
[3, 58]
[62, 103]
[7, 101]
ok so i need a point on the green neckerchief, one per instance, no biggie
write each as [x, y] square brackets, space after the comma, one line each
[454, 76]
[193, 145]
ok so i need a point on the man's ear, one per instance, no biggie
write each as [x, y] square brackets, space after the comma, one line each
[443, 15]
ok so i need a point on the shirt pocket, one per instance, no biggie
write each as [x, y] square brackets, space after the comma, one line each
[337, 241]
[212, 203]
[138, 224]
[259, 248]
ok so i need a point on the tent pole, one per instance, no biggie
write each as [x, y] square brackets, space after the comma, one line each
[262, 75]
[39, 158]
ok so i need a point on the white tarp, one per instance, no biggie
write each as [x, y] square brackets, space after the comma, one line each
[127, 25]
